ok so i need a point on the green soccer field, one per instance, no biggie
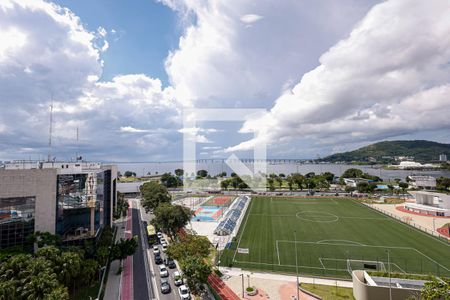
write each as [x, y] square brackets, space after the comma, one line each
[333, 236]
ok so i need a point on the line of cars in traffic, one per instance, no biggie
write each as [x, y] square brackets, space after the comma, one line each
[164, 265]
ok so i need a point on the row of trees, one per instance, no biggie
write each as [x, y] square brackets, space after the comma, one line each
[168, 218]
[57, 271]
[357, 173]
[49, 274]
[190, 251]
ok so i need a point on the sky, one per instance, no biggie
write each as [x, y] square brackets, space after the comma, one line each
[330, 76]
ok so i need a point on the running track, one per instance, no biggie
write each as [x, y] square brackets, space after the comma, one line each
[221, 288]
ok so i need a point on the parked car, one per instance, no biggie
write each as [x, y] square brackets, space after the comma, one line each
[159, 234]
[165, 286]
[158, 259]
[170, 263]
[184, 292]
[164, 247]
[163, 272]
[177, 278]
[156, 250]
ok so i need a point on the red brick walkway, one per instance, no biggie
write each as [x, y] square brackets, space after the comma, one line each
[445, 231]
[221, 288]
[127, 275]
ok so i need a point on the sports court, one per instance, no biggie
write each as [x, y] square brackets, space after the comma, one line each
[333, 236]
[219, 201]
[212, 209]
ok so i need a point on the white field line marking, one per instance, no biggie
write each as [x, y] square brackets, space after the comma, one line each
[431, 259]
[359, 218]
[348, 241]
[300, 202]
[399, 267]
[243, 229]
[366, 218]
[370, 246]
[400, 222]
[278, 253]
[323, 266]
[292, 266]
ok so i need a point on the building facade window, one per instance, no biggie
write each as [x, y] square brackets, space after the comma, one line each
[17, 218]
[80, 195]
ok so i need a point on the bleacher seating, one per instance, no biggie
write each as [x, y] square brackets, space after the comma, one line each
[227, 225]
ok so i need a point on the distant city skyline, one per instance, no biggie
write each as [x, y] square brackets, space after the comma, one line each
[332, 76]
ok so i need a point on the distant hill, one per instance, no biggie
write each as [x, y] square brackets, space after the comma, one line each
[422, 151]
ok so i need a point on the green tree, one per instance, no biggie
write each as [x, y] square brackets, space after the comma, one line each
[191, 245]
[350, 189]
[124, 248]
[391, 188]
[89, 271]
[59, 293]
[43, 239]
[70, 268]
[352, 173]
[279, 180]
[224, 184]
[169, 181]
[443, 183]
[403, 186]
[129, 174]
[328, 176]
[154, 194]
[179, 172]
[362, 187]
[196, 271]
[436, 289]
[299, 180]
[202, 173]
[270, 182]
[290, 182]
[171, 218]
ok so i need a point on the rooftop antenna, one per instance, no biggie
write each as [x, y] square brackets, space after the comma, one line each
[78, 157]
[50, 132]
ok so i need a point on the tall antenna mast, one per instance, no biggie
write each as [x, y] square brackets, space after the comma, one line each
[50, 132]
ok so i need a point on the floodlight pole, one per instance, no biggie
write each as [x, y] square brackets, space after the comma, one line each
[296, 265]
[390, 284]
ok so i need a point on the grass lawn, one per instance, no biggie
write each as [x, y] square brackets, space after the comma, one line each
[333, 236]
[329, 292]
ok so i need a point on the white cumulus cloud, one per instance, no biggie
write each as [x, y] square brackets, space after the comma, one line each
[250, 18]
[389, 77]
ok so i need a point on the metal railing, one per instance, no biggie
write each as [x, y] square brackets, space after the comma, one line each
[411, 223]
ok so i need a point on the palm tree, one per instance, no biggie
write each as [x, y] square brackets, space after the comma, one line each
[70, 268]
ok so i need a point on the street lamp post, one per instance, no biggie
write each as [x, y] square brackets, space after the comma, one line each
[242, 276]
[390, 284]
[296, 265]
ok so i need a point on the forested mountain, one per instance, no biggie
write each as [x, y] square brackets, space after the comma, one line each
[422, 151]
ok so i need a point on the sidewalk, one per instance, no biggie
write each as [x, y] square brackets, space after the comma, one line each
[112, 289]
[287, 278]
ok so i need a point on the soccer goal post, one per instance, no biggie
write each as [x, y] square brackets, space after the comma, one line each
[367, 265]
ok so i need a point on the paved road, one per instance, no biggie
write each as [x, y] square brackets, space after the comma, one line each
[141, 280]
[154, 268]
